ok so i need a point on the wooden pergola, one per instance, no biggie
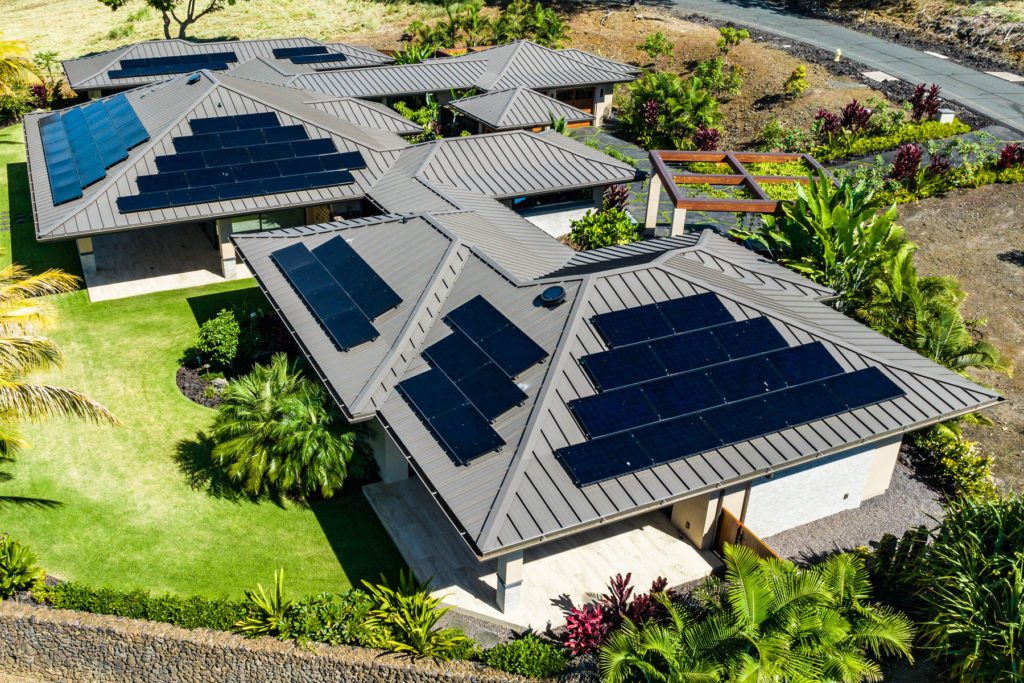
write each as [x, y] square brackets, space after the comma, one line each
[759, 202]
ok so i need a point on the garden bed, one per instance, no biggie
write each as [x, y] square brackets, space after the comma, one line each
[196, 388]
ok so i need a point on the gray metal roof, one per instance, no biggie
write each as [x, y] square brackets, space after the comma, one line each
[520, 495]
[502, 165]
[517, 64]
[516, 108]
[164, 110]
[92, 71]
[365, 113]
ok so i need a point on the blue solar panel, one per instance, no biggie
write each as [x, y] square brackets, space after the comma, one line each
[460, 427]
[127, 122]
[366, 288]
[615, 411]
[652, 321]
[592, 462]
[507, 345]
[669, 441]
[286, 52]
[60, 166]
[807, 403]
[108, 142]
[805, 363]
[682, 394]
[745, 377]
[346, 325]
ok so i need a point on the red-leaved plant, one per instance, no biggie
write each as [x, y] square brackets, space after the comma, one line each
[649, 112]
[585, 629]
[853, 117]
[924, 103]
[828, 124]
[707, 139]
[615, 197]
[907, 163]
[1010, 155]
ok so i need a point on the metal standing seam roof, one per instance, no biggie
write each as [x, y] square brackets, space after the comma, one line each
[518, 64]
[366, 113]
[164, 110]
[521, 495]
[92, 71]
[516, 108]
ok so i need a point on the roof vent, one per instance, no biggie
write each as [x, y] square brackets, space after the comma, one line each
[194, 78]
[552, 296]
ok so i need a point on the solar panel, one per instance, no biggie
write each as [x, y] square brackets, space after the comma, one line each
[286, 52]
[344, 323]
[743, 420]
[157, 66]
[863, 388]
[456, 355]
[460, 427]
[126, 121]
[592, 462]
[507, 345]
[682, 394]
[108, 142]
[616, 411]
[739, 379]
[669, 441]
[370, 292]
[689, 350]
[490, 390]
[644, 323]
[623, 366]
[748, 337]
[314, 59]
[60, 166]
[805, 363]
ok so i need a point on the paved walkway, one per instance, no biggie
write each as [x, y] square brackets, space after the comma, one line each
[999, 99]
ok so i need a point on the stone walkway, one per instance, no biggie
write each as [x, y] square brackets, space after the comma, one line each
[999, 99]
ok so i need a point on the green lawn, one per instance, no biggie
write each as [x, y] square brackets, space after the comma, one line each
[139, 505]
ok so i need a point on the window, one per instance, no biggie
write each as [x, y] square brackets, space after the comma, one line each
[289, 218]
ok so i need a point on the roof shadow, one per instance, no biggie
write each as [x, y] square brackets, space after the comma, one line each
[207, 306]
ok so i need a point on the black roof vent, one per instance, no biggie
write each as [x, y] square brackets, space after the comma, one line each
[552, 296]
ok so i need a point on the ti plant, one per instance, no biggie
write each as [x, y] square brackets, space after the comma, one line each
[266, 612]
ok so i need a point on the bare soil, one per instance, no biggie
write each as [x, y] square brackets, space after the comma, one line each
[974, 235]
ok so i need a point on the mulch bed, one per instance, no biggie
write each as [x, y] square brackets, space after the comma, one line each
[195, 388]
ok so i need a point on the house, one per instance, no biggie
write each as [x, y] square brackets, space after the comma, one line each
[517, 109]
[571, 415]
[153, 61]
[151, 183]
[573, 77]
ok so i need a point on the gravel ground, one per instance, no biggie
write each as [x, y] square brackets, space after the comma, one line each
[908, 502]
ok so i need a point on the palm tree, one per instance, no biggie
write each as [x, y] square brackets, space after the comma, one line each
[24, 317]
[275, 432]
[16, 66]
[776, 623]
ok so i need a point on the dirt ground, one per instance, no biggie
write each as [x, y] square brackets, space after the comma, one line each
[616, 33]
[974, 235]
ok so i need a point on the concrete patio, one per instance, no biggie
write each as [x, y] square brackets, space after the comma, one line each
[568, 570]
[153, 260]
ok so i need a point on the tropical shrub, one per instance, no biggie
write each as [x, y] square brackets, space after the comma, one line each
[925, 102]
[707, 139]
[413, 53]
[585, 629]
[729, 38]
[656, 45]
[961, 470]
[463, 22]
[264, 613]
[604, 228]
[332, 619]
[17, 103]
[1010, 155]
[427, 116]
[527, 656]
[615, 197]
[776, 622]
[719, 77]
[907, 163]
[278, 432]
[191, 612]
[18, 568]
[217, 343]
[795, 85]
[663, 110]
[409, 614]
[775, 137]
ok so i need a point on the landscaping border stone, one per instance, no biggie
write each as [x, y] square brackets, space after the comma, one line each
[70, 646]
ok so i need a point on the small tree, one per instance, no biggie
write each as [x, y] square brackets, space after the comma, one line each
[796, 83]
[656, 45]
[191, 11]
[731, 37]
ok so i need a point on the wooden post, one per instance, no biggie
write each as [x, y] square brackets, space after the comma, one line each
[678, 222]
[653, 197]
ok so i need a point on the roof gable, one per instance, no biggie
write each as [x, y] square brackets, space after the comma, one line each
[517, 108]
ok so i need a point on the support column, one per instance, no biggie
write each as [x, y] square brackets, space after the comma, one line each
[602, 103]
[653, 197]
[678, 222]
[389, 457]
[510, 581]
[695, 518]
[227, 248]
[93, 94]
[597, 194]
[86, 254]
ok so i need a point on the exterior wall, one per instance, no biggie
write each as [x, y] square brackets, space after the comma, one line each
[318, 214]
[808, 493]
[388, 455]
[43, 644]
[602, 102]
[695, 517]
[881, 468]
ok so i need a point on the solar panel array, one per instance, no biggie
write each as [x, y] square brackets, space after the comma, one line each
[471, 380]
[688, 378]
[80, 144]
[177, 64]
[248, 155]
[308, 55]
[341, 290]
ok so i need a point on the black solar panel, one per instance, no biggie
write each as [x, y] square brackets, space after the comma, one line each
[460, 427]
[345, 324]
[157, 66]
[666, 442]
[644, 323]
[748, 337]
[507, 345]
[366, 288]
[247, 155]
[615, 411]
[314, 59]
[745, 377]
[484, 383]
[457, 355]
[287, 52]
[863, 388]
[80, 144]
[621, 367]
[682, 394]
[689, 350]
[591, 462]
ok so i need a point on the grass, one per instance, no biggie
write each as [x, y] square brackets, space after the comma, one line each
[141, 505]
[95, 28]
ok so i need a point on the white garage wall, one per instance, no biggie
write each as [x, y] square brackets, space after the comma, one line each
[807, 493]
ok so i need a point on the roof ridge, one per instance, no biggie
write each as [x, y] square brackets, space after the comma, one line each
[516, 469]
[145, 147]
[518, 46]
[412, 323]
[508, 104]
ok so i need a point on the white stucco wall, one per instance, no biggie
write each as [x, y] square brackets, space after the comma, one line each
[809, 492]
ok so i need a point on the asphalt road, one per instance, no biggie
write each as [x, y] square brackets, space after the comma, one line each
[999, 99]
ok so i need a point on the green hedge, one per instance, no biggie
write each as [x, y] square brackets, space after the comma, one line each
[191, 612]
[911, 132]
[529, 656]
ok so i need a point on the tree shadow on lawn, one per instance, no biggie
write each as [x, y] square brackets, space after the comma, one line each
[25, 250]
[359, 541]
[25, 501]
[203, 472]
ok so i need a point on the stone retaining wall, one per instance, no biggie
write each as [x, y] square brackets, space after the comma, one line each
[53, 645]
